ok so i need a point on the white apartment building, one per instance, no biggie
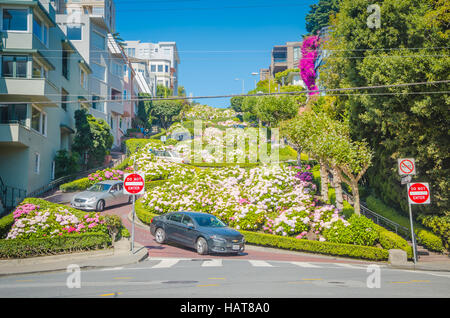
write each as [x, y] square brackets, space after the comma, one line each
[162, 59]
[88, 25]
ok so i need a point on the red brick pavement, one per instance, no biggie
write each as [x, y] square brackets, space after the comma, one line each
[143, 237]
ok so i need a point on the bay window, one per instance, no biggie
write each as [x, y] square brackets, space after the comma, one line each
[38, 120]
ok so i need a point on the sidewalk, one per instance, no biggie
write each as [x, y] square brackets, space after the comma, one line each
[118, 256]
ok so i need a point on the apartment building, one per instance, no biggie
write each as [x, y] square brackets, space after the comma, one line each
[43, 81]
[89, 26]
[285, 57]
[162, 59]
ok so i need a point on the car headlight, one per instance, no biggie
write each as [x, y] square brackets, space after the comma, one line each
[218, 238]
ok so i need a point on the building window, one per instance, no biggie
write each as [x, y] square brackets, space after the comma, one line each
[64, 99]
[38, 71]
[37, 162]
[65, 64]
[98, 71]
[167, 68]
[98, 40]
[74, 32]
[38, 121]
[14, 66]
[117, 69]
[13, 113]
[97, 104]
[160, 68]
[83, 79]
[115, 94]
[15, 19]
[153, 68]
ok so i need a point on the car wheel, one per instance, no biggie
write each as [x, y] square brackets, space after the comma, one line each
[100, 206]
[160, 236]
[202, 246]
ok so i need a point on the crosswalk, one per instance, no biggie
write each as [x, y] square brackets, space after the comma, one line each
[165, 263]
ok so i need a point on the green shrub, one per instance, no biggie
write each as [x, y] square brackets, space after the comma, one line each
[5, 224]
[77, 185]
[142, 213]
[327, 248]
[224, 165]
[439, 225]
[424, 237]
[348, 210]
[360, 231]
[429, 240]
[389, 240]
[134, 143]
[49, 246]
[158, 136]
[171, 142]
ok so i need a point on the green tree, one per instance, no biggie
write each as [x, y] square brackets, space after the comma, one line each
[236, 103]
[164, 111]
[144, 110]
[163, 92]
[273, 109]
[66, 163]
[319, 15]
[410, 47]
[93, 137]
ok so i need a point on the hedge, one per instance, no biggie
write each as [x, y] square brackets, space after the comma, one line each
[424, 237]
[50, 246]
[327, 248]
[142, 213]
[389, 240]
[5, 225]
[224, 165]
[77, 185]
[134, 143]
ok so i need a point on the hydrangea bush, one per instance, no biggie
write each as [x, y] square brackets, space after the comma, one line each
[31, 221]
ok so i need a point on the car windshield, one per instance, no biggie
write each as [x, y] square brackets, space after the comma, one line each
[100, 187]
[208, 221]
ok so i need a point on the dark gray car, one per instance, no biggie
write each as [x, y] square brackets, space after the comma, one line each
[201, 231]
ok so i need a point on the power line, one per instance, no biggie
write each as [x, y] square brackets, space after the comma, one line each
[252, 95]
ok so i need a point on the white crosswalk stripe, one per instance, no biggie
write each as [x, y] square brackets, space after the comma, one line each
[259, 263]
[305, 264]
[212, 263]
[166, 263]
[350, 266]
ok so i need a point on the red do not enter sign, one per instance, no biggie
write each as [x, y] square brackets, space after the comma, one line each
[134, 183]
[419, 193]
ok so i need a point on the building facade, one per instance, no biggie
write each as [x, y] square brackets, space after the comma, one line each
[43, 82]
[162, 59]
[89, 26]
[285, 57]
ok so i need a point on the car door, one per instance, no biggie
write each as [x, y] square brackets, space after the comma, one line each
[174, 227]
[188, 232]
[122, 197]
[114, 195]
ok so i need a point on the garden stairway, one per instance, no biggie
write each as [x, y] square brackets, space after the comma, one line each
[425, 255]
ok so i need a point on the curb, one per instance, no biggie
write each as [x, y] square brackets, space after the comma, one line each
[120, 255]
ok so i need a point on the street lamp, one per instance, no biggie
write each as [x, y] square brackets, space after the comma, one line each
[255, 74]
[243, 88]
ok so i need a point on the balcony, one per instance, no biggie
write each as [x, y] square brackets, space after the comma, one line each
[17, 134]
[28, 90]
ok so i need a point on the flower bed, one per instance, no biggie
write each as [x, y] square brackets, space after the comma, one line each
[39, 227]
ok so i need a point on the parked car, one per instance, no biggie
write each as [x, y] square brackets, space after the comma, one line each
[201, 231]
[170, 155]
[100, 195]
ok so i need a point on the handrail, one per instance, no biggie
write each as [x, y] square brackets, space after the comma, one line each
[381, 220]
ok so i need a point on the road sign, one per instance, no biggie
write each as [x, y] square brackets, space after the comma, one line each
[419, 193]
[406, 179]
[406, 167]
[134, 183]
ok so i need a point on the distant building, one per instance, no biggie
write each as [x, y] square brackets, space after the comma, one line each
[285, 57]
[162, 59]
[322, 54]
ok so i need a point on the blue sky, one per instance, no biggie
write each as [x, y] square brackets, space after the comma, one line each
[219, 41]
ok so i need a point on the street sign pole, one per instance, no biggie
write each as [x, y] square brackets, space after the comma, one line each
[132, 225]
[413, 238]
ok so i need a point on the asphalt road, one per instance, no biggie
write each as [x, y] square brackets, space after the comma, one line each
[222, 278]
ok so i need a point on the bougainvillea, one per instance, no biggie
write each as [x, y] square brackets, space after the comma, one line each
[306, 65]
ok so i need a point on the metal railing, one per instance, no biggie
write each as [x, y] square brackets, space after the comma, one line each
[379, 219]
[10, 196]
